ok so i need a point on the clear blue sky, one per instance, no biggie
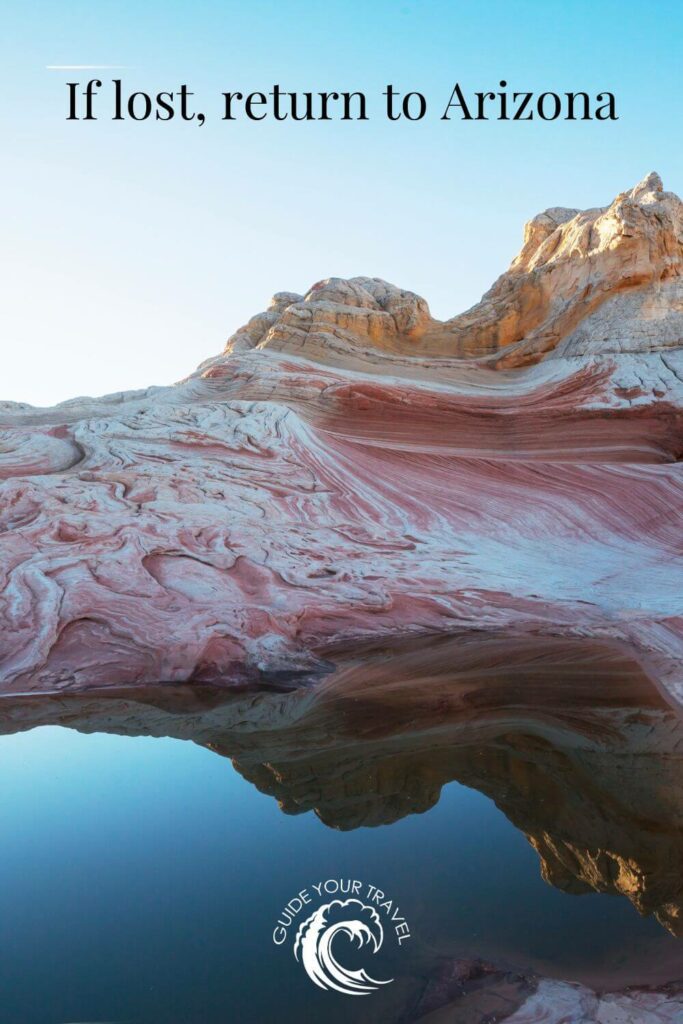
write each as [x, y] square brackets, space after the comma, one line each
[133, 250]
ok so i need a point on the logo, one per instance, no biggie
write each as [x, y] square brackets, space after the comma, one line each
[358, 912]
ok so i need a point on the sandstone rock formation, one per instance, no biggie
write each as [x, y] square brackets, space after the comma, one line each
[350, 470]
[477, 992]
[571, 264]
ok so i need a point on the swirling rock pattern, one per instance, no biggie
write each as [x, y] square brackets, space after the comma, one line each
[351, 469]
[477, 992]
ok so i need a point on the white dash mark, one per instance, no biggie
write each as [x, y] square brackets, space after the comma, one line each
[87, 67]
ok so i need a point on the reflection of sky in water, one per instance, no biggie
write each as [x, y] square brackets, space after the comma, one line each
[141, 880]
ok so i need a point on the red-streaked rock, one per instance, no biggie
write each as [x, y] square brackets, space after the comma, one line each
[350, 469]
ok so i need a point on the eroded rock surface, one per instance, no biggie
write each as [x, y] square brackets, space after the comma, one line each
[350, 469]
[477, 992]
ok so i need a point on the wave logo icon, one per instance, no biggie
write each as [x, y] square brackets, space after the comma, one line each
[350, 924]
[313, 945]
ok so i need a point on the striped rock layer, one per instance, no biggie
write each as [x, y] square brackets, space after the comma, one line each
[351, 474]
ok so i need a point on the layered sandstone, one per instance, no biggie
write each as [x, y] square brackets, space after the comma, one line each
[350, 470]
[572, 262]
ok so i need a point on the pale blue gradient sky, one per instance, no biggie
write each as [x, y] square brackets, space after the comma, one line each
[133, 250]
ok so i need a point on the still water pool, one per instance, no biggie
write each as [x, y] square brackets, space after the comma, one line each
[141, 878]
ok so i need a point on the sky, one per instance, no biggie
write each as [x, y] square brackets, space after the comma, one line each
[132, 251]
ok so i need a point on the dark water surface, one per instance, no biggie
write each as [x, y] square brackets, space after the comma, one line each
[142, 875]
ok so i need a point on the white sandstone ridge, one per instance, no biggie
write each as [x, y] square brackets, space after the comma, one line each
[626, 257]
[351, 472]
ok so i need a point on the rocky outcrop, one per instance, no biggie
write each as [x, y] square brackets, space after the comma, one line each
[477, 992]
[351, 471]
[571, 264]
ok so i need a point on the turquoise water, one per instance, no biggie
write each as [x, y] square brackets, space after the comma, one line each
[141, 880]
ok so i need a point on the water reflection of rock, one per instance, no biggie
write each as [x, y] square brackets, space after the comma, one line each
[569, 739]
